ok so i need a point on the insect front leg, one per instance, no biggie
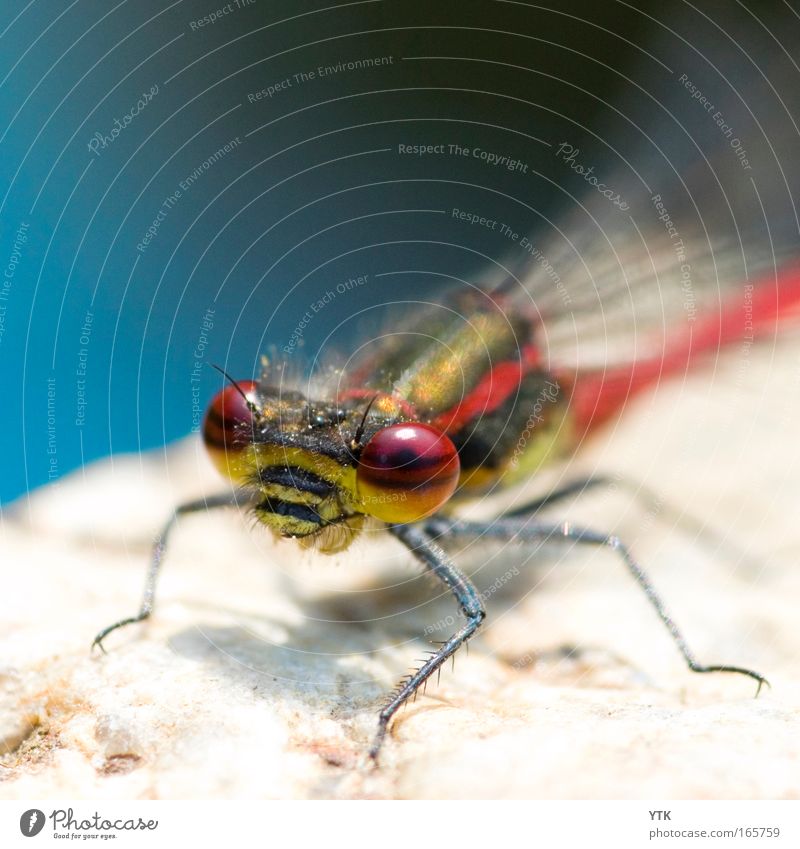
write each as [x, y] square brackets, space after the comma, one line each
[527, 530]
[157, 557]
[434, 559]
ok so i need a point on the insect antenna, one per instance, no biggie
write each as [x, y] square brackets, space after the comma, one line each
[252, 406]
[360, 429]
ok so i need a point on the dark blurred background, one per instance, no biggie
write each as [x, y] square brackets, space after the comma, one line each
[180, 183]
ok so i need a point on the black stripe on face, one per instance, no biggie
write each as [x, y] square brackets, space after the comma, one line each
[293, 477]
[290, 509]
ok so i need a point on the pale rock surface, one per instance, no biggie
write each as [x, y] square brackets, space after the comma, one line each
[261, 672]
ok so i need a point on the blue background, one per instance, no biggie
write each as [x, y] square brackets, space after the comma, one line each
[314, 194]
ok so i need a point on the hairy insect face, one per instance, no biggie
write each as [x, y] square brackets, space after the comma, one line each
[290, 456]
[296, 502]
[320, 469]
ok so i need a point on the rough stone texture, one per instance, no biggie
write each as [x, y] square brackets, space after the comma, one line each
[261, 672]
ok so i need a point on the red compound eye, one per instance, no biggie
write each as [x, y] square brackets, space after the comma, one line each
[407, 472]
[227, 427]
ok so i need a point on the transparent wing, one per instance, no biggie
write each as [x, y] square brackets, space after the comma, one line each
[683, 197]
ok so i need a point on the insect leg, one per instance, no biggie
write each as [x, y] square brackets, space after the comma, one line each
[521, 529]
[157, 557]
[574, 487]
[435, 559]
[652, 501]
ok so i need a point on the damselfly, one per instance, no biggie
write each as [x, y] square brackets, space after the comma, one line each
[457, 402]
